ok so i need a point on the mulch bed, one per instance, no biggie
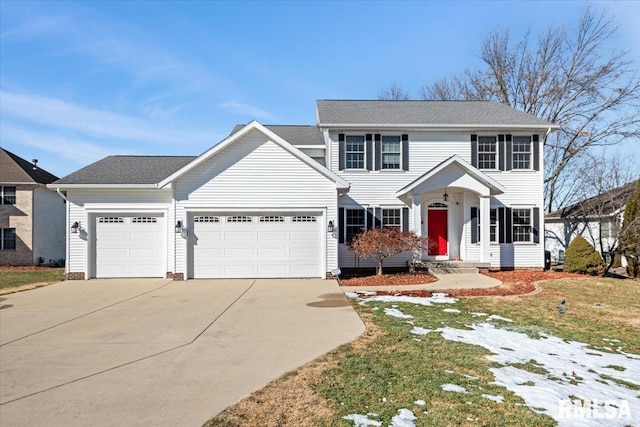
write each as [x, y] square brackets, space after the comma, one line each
[517, 282]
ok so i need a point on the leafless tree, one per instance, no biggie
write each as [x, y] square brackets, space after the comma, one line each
[574, 78]
[394, 93]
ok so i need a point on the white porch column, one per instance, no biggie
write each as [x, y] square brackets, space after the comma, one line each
[485, 248]
[416, 210]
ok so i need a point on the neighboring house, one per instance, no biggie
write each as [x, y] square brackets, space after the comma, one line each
[283, 201]
[589, 218]
[32, 217]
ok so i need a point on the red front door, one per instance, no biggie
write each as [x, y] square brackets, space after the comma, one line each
[437, 222]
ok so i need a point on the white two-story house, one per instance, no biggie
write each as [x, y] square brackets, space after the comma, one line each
[284, 201]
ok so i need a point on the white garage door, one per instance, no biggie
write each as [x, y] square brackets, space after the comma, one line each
[244, 246]
[129, 246]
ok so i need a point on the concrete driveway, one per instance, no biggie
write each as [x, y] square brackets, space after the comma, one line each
[157, 352]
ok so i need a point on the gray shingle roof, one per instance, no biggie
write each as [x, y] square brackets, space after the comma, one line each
[606, 203]
[294, 134]
[15, 169]
[427, 113]
[127, 170]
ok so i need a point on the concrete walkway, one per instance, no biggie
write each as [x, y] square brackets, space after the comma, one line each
[156, 352]
[445, 281]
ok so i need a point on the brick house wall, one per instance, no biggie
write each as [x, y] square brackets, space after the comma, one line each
[20, 217]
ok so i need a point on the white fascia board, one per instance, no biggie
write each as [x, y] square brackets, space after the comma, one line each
[440, 127]
[309, 146]
[473, 172]
[101, 186]
[340, 183]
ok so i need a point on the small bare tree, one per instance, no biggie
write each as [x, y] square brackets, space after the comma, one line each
[382, 243]
[574, 78]
[394, 93]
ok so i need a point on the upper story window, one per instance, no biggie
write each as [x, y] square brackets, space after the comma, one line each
[522, 152]
[487, 152]
[7, 239]
[391, 151]
[7, 195]
[354, 151]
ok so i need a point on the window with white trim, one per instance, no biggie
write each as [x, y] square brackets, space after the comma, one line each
[605, 229]
[7, 195]
[303, 219]
[493, 226]
[206, 219]
[144, 220]
[239, 219]
[271, 219]
[391, 148]
[392, 218]
[354, 223]
[487, 152]
[7, 239]
[522, 226]
[522, 152]
[354, 152]
[110, 220]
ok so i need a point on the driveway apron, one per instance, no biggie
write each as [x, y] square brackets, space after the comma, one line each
[139, 352]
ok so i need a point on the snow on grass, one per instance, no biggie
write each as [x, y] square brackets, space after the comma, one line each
[566, 373]
[454, 388]
[496, 317]
[499, 398]
[397, 313]
[405, 418]
[478, 314]
[417, 330]
[360, 420]
[420, 402]
[436, 298]
[451, 310]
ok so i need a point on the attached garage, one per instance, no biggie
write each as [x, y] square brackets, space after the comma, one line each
[240, 245]
[129, 246]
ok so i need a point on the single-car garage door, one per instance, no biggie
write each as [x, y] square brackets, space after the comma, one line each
[242, 246]
[129, 246]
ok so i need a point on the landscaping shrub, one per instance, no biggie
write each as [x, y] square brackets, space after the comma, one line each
[581, 257]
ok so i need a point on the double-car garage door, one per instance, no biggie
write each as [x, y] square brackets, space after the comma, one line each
[246, 245]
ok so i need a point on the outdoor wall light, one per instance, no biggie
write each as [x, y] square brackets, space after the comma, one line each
[179, 227]
[75, 227]
[445, 196]
[330, 227]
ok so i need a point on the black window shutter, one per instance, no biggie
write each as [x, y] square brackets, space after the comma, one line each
[474, 151]
[474, 225]
[508, 225]
[509, 154]
[369, 151]
[501, 219]
[370, 218]
[378, 217]
[378, 161]
[405, 152]
[536, 152]
[405, 219]
[536, 225]
[501, 152]
[341, 220]
[341, 152]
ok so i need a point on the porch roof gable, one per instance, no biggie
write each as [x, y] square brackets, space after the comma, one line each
[494, 187]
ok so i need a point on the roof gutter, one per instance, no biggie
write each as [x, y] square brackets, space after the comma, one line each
[61, 195]
[436, 127]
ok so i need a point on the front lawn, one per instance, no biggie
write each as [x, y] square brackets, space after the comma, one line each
[429, 365]
[11, 277]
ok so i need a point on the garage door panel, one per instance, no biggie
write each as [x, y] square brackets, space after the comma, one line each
[256, 246]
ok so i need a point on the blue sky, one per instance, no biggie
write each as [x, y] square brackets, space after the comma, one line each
[83, 80]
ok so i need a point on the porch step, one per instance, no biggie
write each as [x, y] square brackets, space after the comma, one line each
[449, 267]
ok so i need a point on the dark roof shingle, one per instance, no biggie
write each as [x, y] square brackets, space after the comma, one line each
[127, 170]
[294, 134]
[427, 113]
[605, 204]
[15, 169]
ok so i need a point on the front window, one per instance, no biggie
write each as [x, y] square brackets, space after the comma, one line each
[354, 151]
[521, 152]
[391, 152]
[354, 222]
[605, 230]
[7, 239]
[8, 195]
[493, 225]
[391, 218]
[522, 225]
[487, 152]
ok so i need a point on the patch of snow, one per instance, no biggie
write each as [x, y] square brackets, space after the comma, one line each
[453, 387]
[478, 314]
[360, 420]
[384, 400]
[470, 377]
[451, 310]
[610, 340]
[499, 398]
[394, 312]
[417, 330]
[426, 301]
[404, 418]
[496, 317]
[573, 371]
[449, 371]
[420, 402]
